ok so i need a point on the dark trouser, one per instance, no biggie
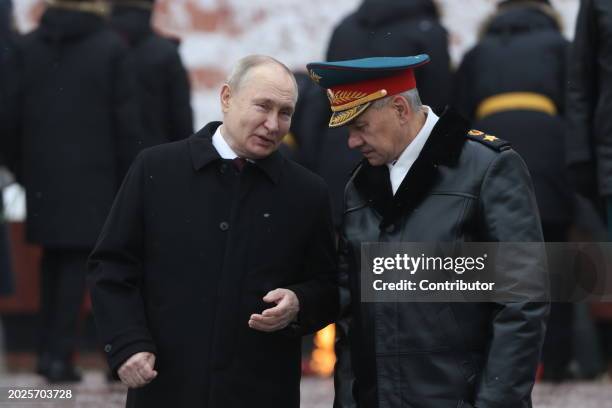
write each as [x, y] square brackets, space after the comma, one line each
[7, 285]
[61, 296]
[558, 343]
[605, 327]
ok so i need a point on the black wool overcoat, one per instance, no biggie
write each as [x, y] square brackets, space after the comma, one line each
[188, 252]
[73, 125]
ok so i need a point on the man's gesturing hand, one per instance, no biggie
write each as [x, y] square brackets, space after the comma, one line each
[138, 370]
[279, 316]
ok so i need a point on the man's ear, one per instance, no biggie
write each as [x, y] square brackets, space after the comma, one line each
[401, 108]
[225, 96]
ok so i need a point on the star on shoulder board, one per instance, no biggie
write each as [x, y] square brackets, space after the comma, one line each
[491, 141]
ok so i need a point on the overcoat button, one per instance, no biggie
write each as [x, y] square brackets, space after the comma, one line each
[223, 168]
[108, 348]
[224, 226]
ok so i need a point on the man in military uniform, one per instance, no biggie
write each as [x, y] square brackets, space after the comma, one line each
[426, 178]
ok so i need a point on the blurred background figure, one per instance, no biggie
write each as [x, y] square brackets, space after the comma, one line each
[589, 96]
[74, 130]
[163, 85]
[299, 140]
[511, 84]
[308, 123]
[377, 28]
[8, 38]
[395, 28]
[7, 48]
[589, 141]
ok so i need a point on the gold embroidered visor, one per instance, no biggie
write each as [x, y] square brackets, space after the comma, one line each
[353, 85]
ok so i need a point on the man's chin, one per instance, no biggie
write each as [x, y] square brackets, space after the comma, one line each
[260, 152]
[374, 161]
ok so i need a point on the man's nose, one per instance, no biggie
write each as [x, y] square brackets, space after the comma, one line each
[272, 123]
[354, 141]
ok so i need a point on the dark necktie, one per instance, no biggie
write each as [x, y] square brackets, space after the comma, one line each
[239, 163]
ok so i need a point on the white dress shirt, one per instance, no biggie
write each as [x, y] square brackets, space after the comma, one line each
[219, 143]
[399, 169]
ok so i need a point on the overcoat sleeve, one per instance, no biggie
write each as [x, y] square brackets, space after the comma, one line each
[318, 295]
[116, 274]
[508, 213]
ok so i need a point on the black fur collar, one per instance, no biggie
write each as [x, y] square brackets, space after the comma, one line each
[442, 147]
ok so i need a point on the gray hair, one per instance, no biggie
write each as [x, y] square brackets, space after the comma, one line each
[245, 64]
[412, 96]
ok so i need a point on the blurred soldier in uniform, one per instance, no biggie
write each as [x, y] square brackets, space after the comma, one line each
[512, 85]
[589, 137]
[163, 85]
[426, 178]
[293, 146]
[75, 130]
[395, 28]
[8, 38]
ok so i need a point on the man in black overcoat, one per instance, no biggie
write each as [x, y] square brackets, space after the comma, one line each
[73, 128]
[218, 254]
[162, 82]
[429, 178]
